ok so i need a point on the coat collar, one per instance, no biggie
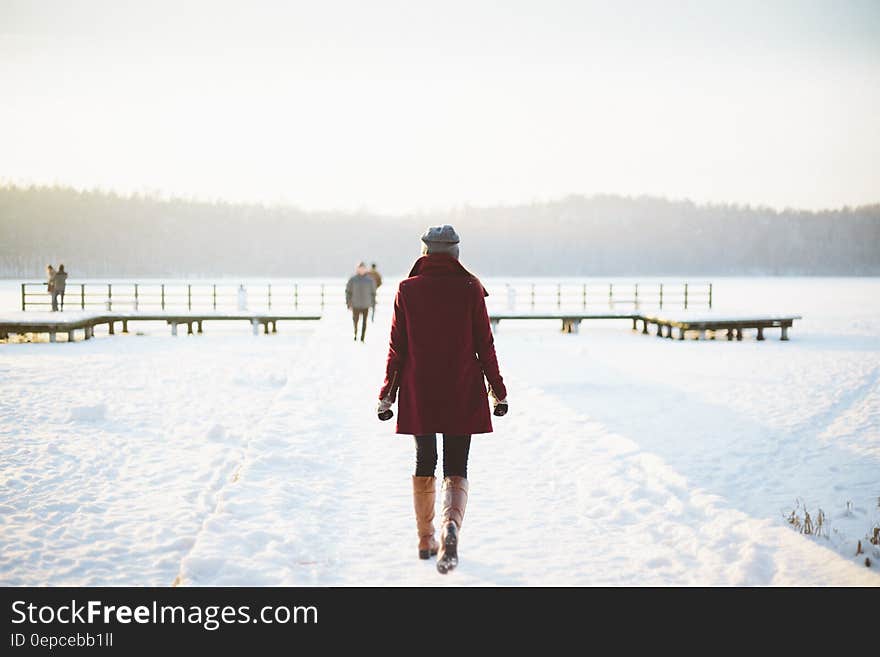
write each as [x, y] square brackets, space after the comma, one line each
[442, 264]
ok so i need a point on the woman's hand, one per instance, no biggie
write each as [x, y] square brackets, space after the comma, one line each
[499, 406]
[384, 409]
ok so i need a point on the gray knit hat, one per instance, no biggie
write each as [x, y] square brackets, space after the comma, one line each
[440, 239]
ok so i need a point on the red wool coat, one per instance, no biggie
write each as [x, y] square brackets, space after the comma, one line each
[441, 348]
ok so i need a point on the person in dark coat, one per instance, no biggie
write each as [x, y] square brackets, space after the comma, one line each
[360, 296]
[60, 283]
[441, 351]
[50, 285]
[377, 277]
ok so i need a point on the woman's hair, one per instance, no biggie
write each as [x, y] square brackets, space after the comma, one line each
[449, 249]
[60, 267]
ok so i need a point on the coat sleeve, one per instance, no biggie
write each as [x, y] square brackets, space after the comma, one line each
[397, 350]
[485, 344]
[348, 294]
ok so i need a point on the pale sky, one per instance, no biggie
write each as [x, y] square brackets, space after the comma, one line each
[399, 106]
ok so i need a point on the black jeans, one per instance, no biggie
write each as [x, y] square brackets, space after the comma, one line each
[455, 455]
[357, 313]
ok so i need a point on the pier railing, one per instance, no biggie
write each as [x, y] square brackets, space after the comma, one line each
[519, 297]
[186, 296]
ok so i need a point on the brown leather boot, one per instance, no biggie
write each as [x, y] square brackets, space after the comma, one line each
[455, 495]
[424, 496]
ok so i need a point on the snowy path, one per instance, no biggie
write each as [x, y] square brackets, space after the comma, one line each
[323, 498]
[259, 461]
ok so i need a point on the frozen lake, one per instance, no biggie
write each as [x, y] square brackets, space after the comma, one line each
[228, 459]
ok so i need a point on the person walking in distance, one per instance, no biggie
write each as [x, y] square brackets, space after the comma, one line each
[440, 351]
[377, 277]
[50, 285]
[58, 291]
[360, 296]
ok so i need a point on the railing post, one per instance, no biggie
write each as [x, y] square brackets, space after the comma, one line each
[214, 294]
[295, 296]
[22, 296]
[270, 296]
[685, 296]
[163, 297]
[322, 297]
[109, 296]
[136, 302]
[533, 296]
[661, 296]
[611, 295]
[82, 295]
[585, 296]
[636, 295]
[189, 296]
[559, 295]
[710, 296]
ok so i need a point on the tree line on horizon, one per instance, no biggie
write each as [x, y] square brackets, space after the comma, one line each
[101, 234]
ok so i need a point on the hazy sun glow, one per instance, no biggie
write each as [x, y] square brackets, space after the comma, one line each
[396, 106]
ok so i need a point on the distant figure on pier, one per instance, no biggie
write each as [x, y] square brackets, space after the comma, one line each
[360, 296]
[58, 288]
[376, 276]
[50, 283]
[441, 354]
[242, 297]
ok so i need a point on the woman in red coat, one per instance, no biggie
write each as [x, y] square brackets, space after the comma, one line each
[441, 349]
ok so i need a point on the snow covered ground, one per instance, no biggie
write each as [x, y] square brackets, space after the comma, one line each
[625, 459]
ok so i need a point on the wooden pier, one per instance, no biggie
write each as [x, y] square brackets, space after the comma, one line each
[698, 326]
[58, 324]
[671, 312]
[733, 326]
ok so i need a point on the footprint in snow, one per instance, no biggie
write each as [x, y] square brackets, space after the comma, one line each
[96, 413]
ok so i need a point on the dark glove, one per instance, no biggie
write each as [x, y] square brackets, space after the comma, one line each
[499, 406]
[384, 409]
